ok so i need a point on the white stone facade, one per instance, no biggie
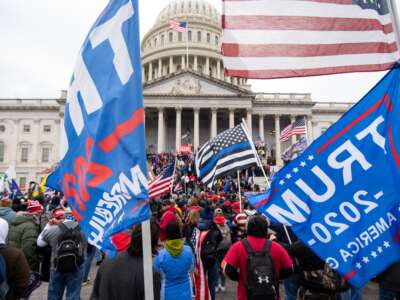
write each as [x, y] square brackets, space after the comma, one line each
[194, 101]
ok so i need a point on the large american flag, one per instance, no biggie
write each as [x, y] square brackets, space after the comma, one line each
[291, 38]
[297, 127]
[176, 25]
[226, 153]
[162, 184]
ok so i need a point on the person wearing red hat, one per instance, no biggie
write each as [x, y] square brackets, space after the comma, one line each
[236, 207]
[24, 231]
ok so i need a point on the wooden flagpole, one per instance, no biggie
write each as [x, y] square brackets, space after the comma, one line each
[240, 195]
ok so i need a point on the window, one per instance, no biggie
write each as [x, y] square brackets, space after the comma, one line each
[208, 37]
[47, 128]
[171, 35]
[1, 152]
[189, 35]
[2, 128]
[162, 40]
[22, 181]
[24, 154]
[155, 42]
[27, 128]
[45, 155]
[180, 36]
[199, 36]
[216, 40]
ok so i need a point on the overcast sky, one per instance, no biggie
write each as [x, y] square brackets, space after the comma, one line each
[39, 41]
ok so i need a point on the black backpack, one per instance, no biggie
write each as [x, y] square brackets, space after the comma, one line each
[260, 281]
[209, 250]
[70, 250]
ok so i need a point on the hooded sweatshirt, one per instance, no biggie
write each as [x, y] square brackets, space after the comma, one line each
[7, 214]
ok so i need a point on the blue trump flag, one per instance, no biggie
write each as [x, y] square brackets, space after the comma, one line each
[341, 196]
[103, 160]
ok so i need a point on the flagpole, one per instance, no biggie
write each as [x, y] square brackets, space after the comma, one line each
[306, 127]
[173, 175]
[240, 197]
[147, 261]
[396, 21]
[255, 152]
[187, 44]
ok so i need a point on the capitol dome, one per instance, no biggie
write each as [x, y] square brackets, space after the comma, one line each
[166, 51]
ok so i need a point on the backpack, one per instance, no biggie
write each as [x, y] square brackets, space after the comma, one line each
[4, 288]
[260, 281]
[69, 250]
[209, 250]
[326, 279]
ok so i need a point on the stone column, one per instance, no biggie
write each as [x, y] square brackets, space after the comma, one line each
[277, 140]
[261, 126]
[196, 124]
[161, 130]
[218, 69]
[159, 68]
[293, 137]
[195, 63]
[143, 74]
[150, 75]
[171, 65]
[207, 66]
[231, 118]
[309, 127]
[178, 129]
[249, 123]
[183, 62]
[213, 121]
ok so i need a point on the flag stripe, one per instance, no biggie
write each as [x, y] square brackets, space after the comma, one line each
[274, 50]
[274, 73]
[304, 23]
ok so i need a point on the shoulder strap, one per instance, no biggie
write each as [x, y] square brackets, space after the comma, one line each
[248, 247]
[268, 244]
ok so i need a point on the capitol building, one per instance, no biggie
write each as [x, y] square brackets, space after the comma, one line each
[187, 99]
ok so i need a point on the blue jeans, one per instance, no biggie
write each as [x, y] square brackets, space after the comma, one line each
[88, 263]
[60, 281]
[351, 294]
[212, 279]
[388, 295]
[291, 286]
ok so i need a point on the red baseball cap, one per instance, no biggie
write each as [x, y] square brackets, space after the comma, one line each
[59, 213]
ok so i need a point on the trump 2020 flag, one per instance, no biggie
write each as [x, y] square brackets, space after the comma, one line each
[287, 38]
[341, 196]
[102, 171]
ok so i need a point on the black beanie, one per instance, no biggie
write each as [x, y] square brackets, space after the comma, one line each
[173, 231]
[257, 226]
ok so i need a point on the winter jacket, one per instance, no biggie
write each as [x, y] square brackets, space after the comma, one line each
[390, 279]
[122, 278]
[23, 235]
[175, 274]
[18, 271]
[7, 214]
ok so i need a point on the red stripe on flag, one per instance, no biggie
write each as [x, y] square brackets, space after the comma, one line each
[260, 74]
[266, 200]
[350, 275]
[305, 23]
[295, 50]
[123, 129]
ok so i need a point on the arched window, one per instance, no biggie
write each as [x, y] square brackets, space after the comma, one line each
[171, 36]
[208, 37]
[189, 35]
[180, 36]
[155, 42]
[216, 40]
[2, 151]
[199, 36]
[162, 40]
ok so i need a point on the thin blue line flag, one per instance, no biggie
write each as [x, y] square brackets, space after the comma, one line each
[103, 160]
[341, 196]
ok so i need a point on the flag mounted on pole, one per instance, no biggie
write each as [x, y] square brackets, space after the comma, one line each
[180, 26]
[162, 184]
[102, 169]
[341, 196]
[226, 153]
[297, 127]
[286, 38]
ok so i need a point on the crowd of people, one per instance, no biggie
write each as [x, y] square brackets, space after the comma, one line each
[200, 237]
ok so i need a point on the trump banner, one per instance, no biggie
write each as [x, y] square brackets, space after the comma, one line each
[341, 196]
[102, 170]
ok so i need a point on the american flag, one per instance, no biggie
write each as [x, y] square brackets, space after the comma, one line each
[162, 184]
[229, 151]
[287, 38]
[297, 127]
[176, 25]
